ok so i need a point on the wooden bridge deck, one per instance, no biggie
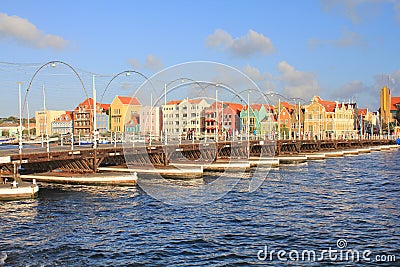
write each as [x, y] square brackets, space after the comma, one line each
[87, 159]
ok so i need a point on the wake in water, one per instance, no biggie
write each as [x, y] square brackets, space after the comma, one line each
[3, 257]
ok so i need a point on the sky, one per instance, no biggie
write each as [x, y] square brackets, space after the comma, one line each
[343, 50]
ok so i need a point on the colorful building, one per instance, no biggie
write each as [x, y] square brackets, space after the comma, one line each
[385, 105]
[44, 121]
[83, 117]
[184, 118]
[151, 121]
[329, 119]
[253, 117]
[63, 124]
[125, 113]
[229, 122]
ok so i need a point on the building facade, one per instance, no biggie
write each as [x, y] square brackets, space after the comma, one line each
[329, 119]
[83, 117]
[44, 121]
[184, 117]
[151, 121]
[63, 124]
[125, 114]
[226, 117]
[251, 119]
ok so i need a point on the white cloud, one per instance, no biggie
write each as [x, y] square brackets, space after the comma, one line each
[23, 31]
[357, 10]
[297, 83]
[244, 46]
[135, 63]
[263, 79]
[151, 62]
[357, 91]
[347, 39]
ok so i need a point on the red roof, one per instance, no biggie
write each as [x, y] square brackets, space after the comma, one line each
[395, 100]
[288, 106]
[88, 103]
[64, 117]
[174, 102]
[105, 106]
[234, 106]
[194, 101]
[258, 107]
[329, 105]
[126, 100]
[362, 111]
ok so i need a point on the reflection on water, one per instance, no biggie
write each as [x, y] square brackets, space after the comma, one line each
[297, 207]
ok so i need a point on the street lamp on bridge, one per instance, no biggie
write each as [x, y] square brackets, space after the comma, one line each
[53, 64]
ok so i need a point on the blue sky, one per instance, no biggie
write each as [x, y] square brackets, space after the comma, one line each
[344, 49]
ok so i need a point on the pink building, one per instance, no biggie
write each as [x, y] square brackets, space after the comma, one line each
[228, 119]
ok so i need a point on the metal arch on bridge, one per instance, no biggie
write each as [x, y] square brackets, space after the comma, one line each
[52, 63]
[127, 72]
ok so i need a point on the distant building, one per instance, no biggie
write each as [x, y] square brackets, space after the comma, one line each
[125, 113]
[83, 117]
[44, 121]
[184, 117]
[385, 105]
[10, 129]
[151, 121]
[63, 124]
[228, 119]
[394, 107]
[256, 114]
[329, 119]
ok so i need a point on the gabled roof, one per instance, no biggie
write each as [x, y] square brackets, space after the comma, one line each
[395, 100]
[288, 106]
[67, 117]
[194, 101]
[174, 102]
[328, 105]
[126, 100]
[88, 103]
[258, 107]
[362, 111]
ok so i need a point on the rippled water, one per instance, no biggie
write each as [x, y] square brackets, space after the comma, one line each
[300, 207]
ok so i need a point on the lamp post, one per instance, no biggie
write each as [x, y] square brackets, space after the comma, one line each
[54, 64]
[20, 120]
[94, 129]
[127, 73]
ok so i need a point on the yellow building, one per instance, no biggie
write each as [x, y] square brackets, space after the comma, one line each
[314, 119]
[328, 119]
[125, 114]
[44, 120]
[385, 103]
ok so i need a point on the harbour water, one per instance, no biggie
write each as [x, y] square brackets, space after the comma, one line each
[348, 203]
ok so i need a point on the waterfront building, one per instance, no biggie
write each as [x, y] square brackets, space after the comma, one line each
[184, 118]
[10, 129]
[125, 112]
[44, 121]
[83, 117]
[256, 114]
[291, 120]
[229, 122]
[151, 121]
[268, 126]
[63, 124]
[395, 108]
[329, 119]
[385, 105]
